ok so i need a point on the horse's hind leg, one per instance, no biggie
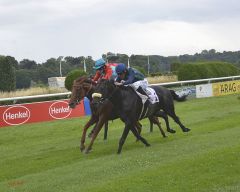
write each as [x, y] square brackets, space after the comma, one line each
[172, 114]
[105, 130]
[91, 132]
[151, 126]
[156, 121]
[165, 117]
[139, 127]
[139, 137]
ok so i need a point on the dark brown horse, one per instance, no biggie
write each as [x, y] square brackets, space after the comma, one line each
[84, 87]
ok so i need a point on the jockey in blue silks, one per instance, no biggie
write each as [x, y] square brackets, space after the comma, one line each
[131, 76]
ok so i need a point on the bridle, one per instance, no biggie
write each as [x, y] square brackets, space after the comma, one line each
[80, 86]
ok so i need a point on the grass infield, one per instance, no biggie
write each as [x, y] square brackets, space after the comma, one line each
[46, 157]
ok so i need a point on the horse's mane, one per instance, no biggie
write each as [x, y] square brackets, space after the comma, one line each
[83, 79]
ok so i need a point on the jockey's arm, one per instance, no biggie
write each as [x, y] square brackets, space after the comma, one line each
[130, 79]
[97, 76]
[108, 73]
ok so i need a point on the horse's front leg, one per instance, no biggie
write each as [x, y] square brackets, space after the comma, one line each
[102, 119]
[123, 137]
[92, 120]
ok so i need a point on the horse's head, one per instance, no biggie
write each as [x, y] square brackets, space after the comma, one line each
[80, 89]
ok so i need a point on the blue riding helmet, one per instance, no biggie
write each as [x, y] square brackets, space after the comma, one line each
[99, 64]
[120, 68]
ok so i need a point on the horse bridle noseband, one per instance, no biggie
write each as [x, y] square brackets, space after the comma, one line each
[87, 92]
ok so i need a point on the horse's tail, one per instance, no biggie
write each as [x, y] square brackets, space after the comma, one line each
[177, 97]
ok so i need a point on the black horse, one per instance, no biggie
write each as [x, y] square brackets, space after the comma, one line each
[84, 87]
[130, 106]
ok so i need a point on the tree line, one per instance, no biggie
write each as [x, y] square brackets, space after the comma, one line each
[26, 73]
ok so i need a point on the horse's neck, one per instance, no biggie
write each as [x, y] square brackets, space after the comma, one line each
[90, 92]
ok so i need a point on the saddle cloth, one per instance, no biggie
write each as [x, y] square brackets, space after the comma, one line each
[152, 96]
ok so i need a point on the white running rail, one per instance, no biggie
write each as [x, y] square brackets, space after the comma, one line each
[163, 84]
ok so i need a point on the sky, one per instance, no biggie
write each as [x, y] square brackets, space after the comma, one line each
[42, 29]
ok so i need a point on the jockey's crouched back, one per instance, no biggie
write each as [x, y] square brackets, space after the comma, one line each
[132, 77]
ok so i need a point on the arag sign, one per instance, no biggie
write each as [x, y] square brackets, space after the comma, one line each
[16, 115]
[59, 110]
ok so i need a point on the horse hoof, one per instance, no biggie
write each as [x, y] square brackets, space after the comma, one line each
[87, 151]
[186, 130]
[148, 145]
[82, 149]
[171, 131]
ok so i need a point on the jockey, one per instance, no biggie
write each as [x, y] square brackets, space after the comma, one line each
[127, 76]
[104, 70]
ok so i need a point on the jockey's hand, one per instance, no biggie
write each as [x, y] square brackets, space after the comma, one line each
[118, 84]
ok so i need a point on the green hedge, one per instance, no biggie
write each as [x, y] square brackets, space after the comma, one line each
[7, 74]
[71, 76]
[204, 70]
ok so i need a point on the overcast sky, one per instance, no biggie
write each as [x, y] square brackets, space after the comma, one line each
[41, 29]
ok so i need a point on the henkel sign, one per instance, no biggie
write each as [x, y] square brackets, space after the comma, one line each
[59, 110]
[38, 112]
[16, 115]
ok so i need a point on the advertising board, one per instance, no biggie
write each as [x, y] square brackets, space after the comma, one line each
[38, 112]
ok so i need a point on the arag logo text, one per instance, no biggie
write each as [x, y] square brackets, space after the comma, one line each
[16, 115]
[59, 110]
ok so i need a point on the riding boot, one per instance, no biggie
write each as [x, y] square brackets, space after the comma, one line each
[142, 91]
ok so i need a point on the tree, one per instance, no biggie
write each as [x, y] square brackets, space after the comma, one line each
[13, 61]
[23, 79]
[27, 64]
[7, 74]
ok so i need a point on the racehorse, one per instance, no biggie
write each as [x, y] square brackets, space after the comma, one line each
[84, 87]
[130, 105]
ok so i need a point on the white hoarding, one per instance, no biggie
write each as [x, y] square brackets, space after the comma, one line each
[204, 90]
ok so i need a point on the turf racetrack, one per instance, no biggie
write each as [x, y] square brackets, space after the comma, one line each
[46, 157]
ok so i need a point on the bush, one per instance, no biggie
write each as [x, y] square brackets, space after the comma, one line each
[7, 74]
[71, 76]
[204, 70]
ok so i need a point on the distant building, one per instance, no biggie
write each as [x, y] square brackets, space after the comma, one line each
[56, 82]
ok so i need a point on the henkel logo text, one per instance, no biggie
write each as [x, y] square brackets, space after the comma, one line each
[59, 110]
[16, 115]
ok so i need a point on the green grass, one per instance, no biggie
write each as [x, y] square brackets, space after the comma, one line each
[45, 156]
